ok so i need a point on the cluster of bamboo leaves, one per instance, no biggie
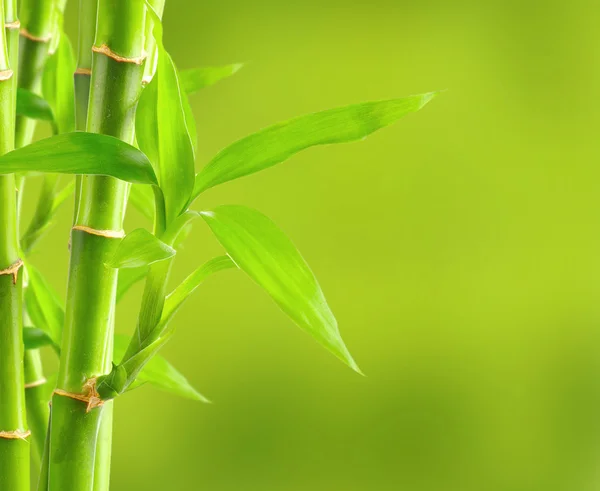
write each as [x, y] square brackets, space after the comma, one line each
[165, 187]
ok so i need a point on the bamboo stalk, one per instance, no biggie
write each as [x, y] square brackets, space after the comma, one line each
[117, 72]
[37, 27]
[37, 407]
[14, 448]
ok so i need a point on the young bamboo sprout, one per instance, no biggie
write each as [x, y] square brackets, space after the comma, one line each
[14, 446]
[117, 71]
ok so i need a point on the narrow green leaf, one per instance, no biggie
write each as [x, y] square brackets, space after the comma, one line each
[279, 142]
[264, 252]
[125, 373]
[128, 278]
[33, 106]
[163, 131]
[196, 79]
[178, 296]
[142, 198]
[81, 153]
[57, 85]
[51, 197]
[140, 248]
[160, 373]
[34, 338]
[44, 306]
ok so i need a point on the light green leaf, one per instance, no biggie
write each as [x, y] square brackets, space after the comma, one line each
[264, 252]
[81, 153]
[34, 338]
[57, 85]
[162, 124]
[279, 142]
[51, 197]
[33, 106]
[44, 306]
[140, 248]
[128, 278]
[142, 198]
[178, 296]
[160, 373]
[125, 373]
[195, 79]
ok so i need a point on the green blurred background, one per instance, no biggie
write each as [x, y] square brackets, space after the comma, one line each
[459, 249]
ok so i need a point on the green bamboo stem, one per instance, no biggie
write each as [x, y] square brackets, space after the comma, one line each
[37, 27]
[38, 24]
[91, 292]
[88, 10]
[14, 448]
[37, 406]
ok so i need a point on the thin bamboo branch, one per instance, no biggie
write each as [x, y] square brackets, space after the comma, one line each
[14, 448]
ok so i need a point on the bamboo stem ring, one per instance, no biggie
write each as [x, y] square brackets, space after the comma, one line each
[15, 435]
[38, 39]
[5, 75]
[105, 50]
[13, 270]
[109, 234]
[91, 397]
[15, 24]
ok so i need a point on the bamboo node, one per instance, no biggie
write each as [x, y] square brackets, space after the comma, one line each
[109, 234]
[15, 435]
[91, 396]
[38, 39]
[13, 270]
[35, 383]
[105, 50]
[15, 24]
[83, 71]
[5, 75]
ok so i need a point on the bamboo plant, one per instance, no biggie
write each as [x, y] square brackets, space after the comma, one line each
[135, 145]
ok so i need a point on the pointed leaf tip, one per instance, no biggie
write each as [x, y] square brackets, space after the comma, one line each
[258, 247]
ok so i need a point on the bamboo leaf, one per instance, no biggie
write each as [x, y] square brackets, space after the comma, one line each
[160, 373]
[128, 278]
[44, 306]
[57, 85]
[142, 198]
[279, 142]
[33, 106]
[178, 296]
[125, 373]
[163, 131]
[140, 248]
[81, 153]
[51, 197]
[34, 338]
[196, 79]
[264, 252]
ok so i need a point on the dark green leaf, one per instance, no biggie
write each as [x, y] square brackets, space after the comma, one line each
[264, 252]
[57, 85]
[178, 296]
[33, 106]
[44, 306]
[34, 338]
[140, 248]
[196, 79]
[279, 142]
[160, 373]
[81, 153]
